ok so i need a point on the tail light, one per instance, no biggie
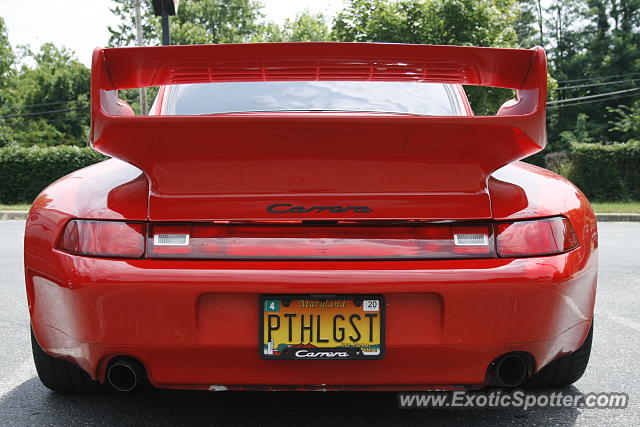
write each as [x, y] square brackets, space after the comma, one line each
[538, 237]
[119, 239]
[296, 241]
[103, 238]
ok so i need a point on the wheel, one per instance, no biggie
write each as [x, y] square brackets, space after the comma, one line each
[566, 370]
[62, 376]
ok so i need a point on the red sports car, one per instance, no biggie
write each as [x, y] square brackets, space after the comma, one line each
[324, 216]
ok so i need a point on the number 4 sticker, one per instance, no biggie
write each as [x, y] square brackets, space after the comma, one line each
[272, 305]
[371, 305]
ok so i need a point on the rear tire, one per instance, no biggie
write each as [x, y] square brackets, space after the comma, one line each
[566, 370]
[62, 376]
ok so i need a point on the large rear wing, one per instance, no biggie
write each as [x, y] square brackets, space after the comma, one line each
[525, 71]
[162, 145]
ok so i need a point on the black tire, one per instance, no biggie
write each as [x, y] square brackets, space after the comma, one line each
[62, 376]
[566, 370]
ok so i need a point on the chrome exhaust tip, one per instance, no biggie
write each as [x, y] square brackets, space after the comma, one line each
[124, 374]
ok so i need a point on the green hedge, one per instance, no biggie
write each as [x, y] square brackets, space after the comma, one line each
[606, 172]
[24, 172]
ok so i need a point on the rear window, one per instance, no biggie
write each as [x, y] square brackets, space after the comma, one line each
[429, 99]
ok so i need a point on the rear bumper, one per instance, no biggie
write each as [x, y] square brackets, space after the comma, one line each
[194, 324]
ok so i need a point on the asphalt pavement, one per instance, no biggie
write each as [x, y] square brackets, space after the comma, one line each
[614, 367]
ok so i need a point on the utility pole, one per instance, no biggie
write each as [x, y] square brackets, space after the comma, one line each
[539, 7]
[139, 38]
[164, 9]
[166, 35]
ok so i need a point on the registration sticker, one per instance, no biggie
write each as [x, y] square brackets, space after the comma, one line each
[272, 305]
[371, 305]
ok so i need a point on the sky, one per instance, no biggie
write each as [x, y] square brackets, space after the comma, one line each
[81, 25]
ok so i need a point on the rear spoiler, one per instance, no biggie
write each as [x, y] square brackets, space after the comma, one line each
[525, 71]
[515, 132]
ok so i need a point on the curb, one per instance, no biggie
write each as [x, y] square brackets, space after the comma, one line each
[602, 217]
[617, 217]
[13, 215]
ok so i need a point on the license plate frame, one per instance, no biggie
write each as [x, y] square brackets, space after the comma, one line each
[353, 352]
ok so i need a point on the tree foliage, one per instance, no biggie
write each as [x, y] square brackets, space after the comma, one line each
[196, 22]
[588, 40]
[626, 121]
[459, 22]
[585, 39]
[444, 22]
[124, 32]
[305, 27]
[7, 56]
[46, 104]
[529, 27]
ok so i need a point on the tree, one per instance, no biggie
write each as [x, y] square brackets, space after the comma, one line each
[564, 34]
[592, 39]
[48, 103]
[124, 33]
[627, 121]
[448, 22]
[7, 57]
[196, 22]
[216, 21]
[529, 26]
[305, 27]
[459, 22]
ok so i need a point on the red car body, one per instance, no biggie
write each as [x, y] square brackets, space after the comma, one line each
[193, 322]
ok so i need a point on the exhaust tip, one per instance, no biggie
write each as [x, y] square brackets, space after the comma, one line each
[510, 370]
[124, 374]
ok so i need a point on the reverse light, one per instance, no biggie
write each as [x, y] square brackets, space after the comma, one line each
[171, 239]
[302, 241]
[537, 237]
[118, 239]
[103, 238]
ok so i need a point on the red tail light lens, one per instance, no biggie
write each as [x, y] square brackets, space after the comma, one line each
[119, 239]
[297, 241]
[103, 238]
[538, 237]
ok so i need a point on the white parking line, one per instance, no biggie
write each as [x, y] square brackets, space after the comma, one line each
[620, 320]
[24, 372]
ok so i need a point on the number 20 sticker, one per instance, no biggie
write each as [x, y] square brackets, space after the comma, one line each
[371, 305]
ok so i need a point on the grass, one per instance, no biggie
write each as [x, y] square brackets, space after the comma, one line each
[24, 207]
[599, 207]
[616, 207]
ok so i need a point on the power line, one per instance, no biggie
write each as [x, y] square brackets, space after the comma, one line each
[66, 110]
[17, 107]
[600, 95]
[24, 27]
[611, 76]
[596, 84]
[593, 101]
[64, 119]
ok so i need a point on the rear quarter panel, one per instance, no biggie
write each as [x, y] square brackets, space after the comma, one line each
[523, 191]
[109, 190]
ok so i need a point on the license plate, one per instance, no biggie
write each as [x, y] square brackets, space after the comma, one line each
[321, 327]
